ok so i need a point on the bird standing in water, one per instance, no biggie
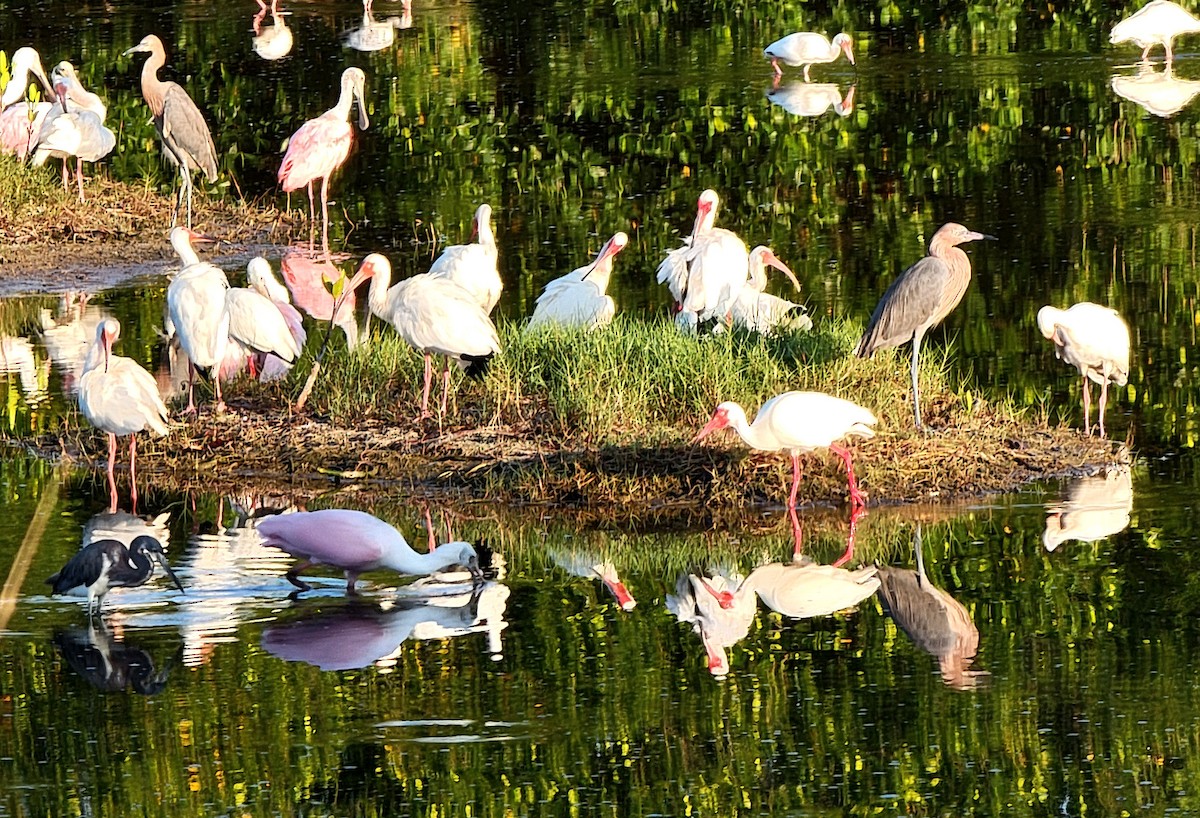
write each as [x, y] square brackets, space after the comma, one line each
[106, 564]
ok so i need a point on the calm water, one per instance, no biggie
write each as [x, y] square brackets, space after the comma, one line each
[539, 694]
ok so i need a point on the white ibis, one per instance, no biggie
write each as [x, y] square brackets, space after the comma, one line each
[322, 145]
[436, 317]
[197, 309]
[21, 121]
[119, 398]
[760, 311]
[1156, 23]
[257, 324]
[473, 266]
[1094, 340]
[107, 564]
[808, 48]
[262, 280]
[376, 35]
[78, 130]
[719, 611]
[812, 98]
[580, 298]
[798, 423]
[356, 542]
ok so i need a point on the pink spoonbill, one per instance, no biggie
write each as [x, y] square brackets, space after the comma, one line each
[119, 398]
[808, 48]
[356, 542]
[798, 423]
[473, 266]
[580, 298]
[1156, 23]
[197, 309]
[306, 279]
[21, 121]
[1093, 339]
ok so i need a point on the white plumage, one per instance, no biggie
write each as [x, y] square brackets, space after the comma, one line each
[762, 312]
[474, 266]
[197, 310]
[1093, 339]
[1156, 23]
[808, 48]
[258, 325]
[74, 129]
[580, 299]
[262, 280]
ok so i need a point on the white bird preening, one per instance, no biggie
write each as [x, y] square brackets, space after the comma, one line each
[1156, 23]
[197, 310]
[580, 299]
[21, 121]
[119, 397]
[78, 128]
[808, 48]
[760, 311]
[256, 323]
[262, 280]
[798, 423]
[1094, 340]
[474, 266]
[436, 317]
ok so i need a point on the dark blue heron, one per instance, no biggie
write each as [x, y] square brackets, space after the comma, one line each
[106, 564]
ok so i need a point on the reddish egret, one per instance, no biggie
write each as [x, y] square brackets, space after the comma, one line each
[473, 266]
[77, 131]
[920, 298]
[197, 309]
[798, 423]
[186, 139]
[21, 121]
[106, 564]
[356, 542]
[119, 397]
[436, 317]
[322, 145]
[808, 48]
[1094, 340]
[1156, 23]
[762, 312]
[580, 298]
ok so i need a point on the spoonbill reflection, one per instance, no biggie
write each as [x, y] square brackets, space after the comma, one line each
[374, 35]
[1156, 23]
[306, 278]
[812, 98]
[1093, 339]
[273, 42]
[1092, 508]
[808, 48]
[1159, 92]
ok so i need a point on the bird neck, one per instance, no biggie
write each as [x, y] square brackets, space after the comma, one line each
[122, 574]
[407, 561]
[486, 237]
[183, 248]
[750, 435]
[377, 296]
[757, 280]
[154, 89]
[345, 100]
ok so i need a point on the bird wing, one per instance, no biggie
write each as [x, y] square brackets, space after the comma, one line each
[256, 322]
[673, 271]
[185, 133]
[341, 537]
[436, 315]
[315, 151]
[910, 303]
[196, 304]
[803, 590]
[472, 267]
[716, 274]
[569, 304]
[764, 313]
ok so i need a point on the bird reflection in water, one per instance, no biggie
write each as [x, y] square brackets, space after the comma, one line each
[812, 98]
[273, 42]
[356, 634]
[1092, 508]
[108, 664]
[17, 358]
[67, 335]
[1159, 92]
[125, 527]
[718, 610]
[591, 565]
[311, 281]
[375, 35]
[936, 622]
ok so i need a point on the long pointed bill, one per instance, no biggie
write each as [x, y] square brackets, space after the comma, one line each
[848, 47]
[701, 213]
[610, 249]
[723, 598]
[717, 663]
[624, 598]
[973, 236]
[773, 260]
[717, 422]
[162, 560]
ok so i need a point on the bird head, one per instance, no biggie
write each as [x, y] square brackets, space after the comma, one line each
[952, 233]
[844, 42]
[153, 548]
[706, 211]
[767, 256]
[611, 247]
[1047, 320]
[464, 554]
[723, 598]
[357, 81]
[150, 43]
[376, 264]
[718, 421]
[107, 332]
[25, 61]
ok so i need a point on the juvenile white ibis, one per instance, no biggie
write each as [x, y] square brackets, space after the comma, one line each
[760, 311]
[107, 564]
[262, 280]
[78, 130]
[808, 48]
[356, 542]
[197, 309]
[473, 266]
[21, 121]
[322, 145]
[798, 423]
[436, 317]
[257, 324]
[273, 42]
[920, 298]
[119, 397]
[1094, 340]
[186, 139]
[580, 298]
[1156, 23]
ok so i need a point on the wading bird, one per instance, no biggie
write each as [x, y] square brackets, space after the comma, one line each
[119, 397]
[473, 266]
[197, 310]
[263, 281]
[920, 298]
[186, 139]
[306, 279]
[78, 130]
[257, 324]
[1156, 23]
[107, 564]
[356, 542]
[798, 423]
[808, 48]
[322, 145]
[1094, 340]
[436, 317]
[762, 312]
[580, 298]
[21, 121]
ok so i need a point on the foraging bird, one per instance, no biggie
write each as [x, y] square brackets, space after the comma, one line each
[1159, 92]
[798, 423]
[762, 312]
[580, 299]
[1094, 340]
[273, 42]
[920, 298]
[263, 281]
[257, 324]
[1156, 23]
[356, 542]
[811, 98]
[186, 139]
[473, 266]
[21, 121]
[107, 564]
[808, 48]
[436, 317]
[77, 130]
[197, 309]
[1094, 508]
[321, 146]
[119, 397]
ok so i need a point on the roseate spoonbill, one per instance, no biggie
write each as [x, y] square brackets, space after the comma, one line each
[1156, 23]
[1094, 340]
[808, 48]
[812, 98]
[920, 298]
[1093, 508]
[473, 266]
[273, 42]
[197, 310]
[579, 299]
[718, 610]
[186, 139]
[1159, 92]
[374, 35]
[78, 130]
[119, 397]
[107, 564]
[263, 281]
[109, 665]
[436, 317]
[21, 121]
[798, 423]
[306, 278]
[356, 542]
[762, 312]
[936, 622]
[321, 146]
[258, 325]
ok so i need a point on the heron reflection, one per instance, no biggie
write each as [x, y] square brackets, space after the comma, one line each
[110, 665]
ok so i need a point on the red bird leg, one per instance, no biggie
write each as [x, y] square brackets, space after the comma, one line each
[855, 515]
[425, 395]
[1087, 407]
[797, 535]
[795, 480]
[112, 479]
[133, 471]
[429, 528]
[857, 498]
[1103, 402]
[445, 384]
